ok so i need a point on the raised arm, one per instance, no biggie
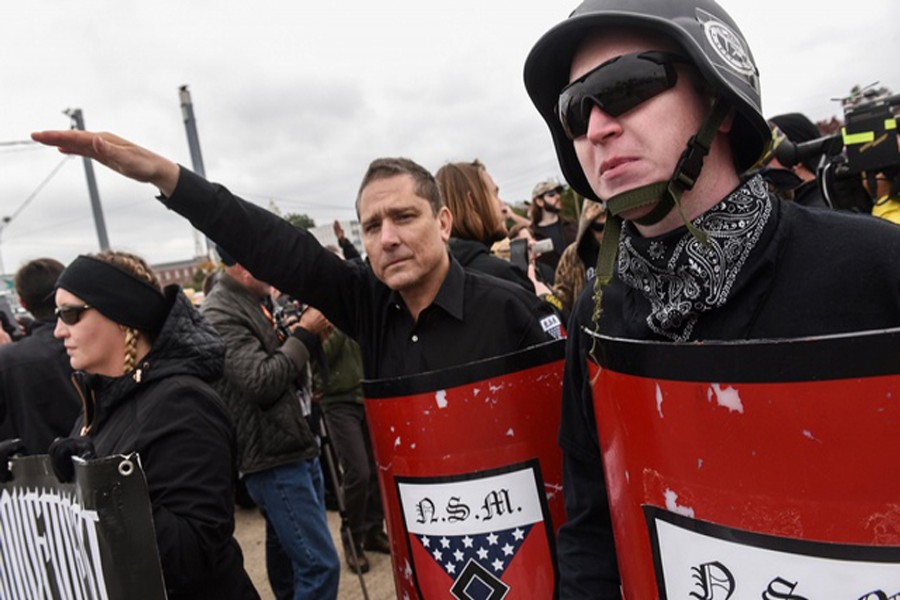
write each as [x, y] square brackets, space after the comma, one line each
[117, 153]
[268, 246]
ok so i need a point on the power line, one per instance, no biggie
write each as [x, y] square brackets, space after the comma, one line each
[8, 149]
[48, 226]
[36, 191]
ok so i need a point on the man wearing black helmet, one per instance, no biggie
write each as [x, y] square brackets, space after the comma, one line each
[654, 108]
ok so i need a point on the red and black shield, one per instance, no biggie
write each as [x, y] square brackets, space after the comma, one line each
[768, 467]
[471, 475]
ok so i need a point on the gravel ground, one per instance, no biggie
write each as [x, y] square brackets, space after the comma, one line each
[250, 533]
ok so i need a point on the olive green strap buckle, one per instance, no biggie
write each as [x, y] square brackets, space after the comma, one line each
[606, 263]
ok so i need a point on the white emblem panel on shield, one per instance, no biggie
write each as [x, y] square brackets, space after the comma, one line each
[483, 536]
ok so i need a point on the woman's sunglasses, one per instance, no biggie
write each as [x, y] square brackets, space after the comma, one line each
[616, 86]
[70, 314]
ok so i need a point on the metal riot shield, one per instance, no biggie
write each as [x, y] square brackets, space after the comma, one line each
[758, 469]
[470, 475]
[92, 539]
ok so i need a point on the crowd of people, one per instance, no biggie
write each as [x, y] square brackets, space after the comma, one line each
[682, 234]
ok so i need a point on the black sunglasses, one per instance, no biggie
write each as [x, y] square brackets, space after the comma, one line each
[598, 227]
[616, 86]
[70, 314]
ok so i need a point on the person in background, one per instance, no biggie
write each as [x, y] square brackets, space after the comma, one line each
[576, 265]
[144, 359]
[473, 200]
[886, 195]
[798, 129]
[338, 388]
[37, 400]
[265, 386]
[348, 250]
[546, 223]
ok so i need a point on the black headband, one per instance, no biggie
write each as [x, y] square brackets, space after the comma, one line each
[117, 294]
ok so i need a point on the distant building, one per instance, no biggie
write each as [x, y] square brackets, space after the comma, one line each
[183, 272]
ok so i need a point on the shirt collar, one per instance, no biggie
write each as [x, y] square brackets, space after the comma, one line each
[450, 294]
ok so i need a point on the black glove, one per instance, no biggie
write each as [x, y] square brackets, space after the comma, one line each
[8, 449]
[61, 452]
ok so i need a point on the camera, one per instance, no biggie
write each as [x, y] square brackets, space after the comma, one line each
[870, 131]
[868, 144]
[285, 313]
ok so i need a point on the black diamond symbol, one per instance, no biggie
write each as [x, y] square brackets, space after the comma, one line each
[477, 583]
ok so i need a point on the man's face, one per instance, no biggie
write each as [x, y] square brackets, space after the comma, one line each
[493, 191]
[405, 241]
[258, 288]
[642, 145]
[552, 199]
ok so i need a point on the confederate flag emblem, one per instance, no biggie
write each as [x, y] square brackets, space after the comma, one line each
[480, 536]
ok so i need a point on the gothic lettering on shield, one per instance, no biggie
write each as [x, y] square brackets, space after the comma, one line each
[708, 561]
[713, 580]
[781, 589]
[484, 535]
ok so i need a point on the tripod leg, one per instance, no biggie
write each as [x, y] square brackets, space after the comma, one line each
[331, 464]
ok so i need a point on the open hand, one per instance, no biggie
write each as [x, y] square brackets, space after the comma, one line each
[117, 153]
[338, 230]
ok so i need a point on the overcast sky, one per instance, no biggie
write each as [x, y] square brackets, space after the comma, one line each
[293, 99]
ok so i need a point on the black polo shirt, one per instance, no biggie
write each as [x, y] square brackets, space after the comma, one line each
[473, 317]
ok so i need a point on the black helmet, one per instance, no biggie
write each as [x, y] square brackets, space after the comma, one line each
[705, 32]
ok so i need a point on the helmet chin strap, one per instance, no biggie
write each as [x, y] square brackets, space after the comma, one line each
[666, 195]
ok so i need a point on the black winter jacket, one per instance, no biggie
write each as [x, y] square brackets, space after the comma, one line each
[166, 411]
[259, 382]
[37, 401]
[475, 256]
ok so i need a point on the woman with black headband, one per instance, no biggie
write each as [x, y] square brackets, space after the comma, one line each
[143, 358]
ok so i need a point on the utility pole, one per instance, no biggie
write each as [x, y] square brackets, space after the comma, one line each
[3, 225]
[78, 123]
[201, 246]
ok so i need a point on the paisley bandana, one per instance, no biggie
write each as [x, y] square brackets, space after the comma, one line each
[683, 278]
